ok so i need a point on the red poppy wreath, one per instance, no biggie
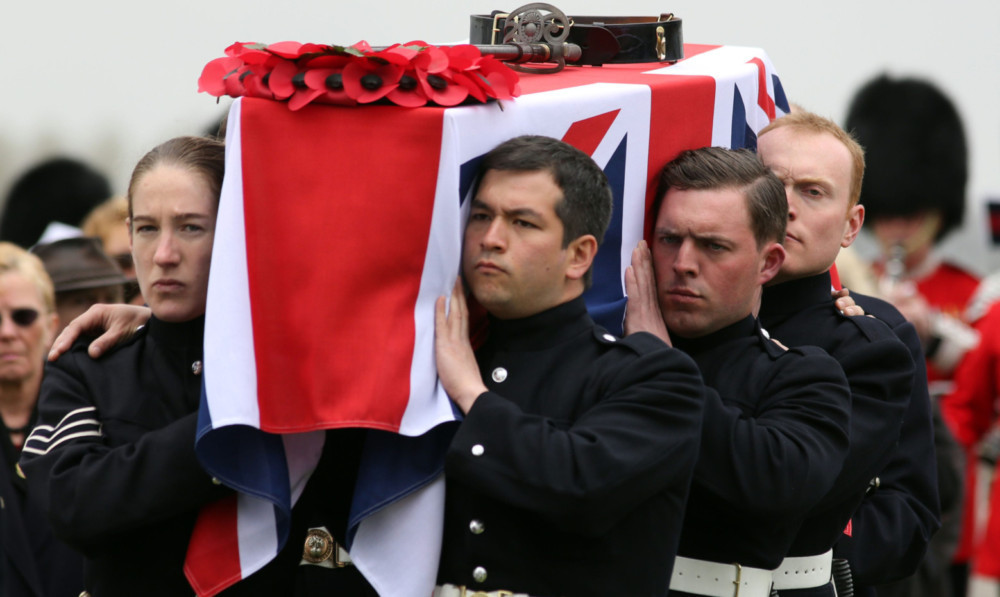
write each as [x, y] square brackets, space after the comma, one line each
[412, 75]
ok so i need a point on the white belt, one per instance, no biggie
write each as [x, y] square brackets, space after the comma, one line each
[713, 579]
[449, 590]
[804, 572]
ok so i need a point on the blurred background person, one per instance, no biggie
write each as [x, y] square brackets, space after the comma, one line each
[50, 200]
[83, 275]
[914, 196]
[971, 410]
[108, 222]
[33, 563]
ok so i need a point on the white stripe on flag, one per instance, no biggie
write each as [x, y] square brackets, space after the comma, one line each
[429, 405]
[397, 548]
[256, 532]
[230, 362]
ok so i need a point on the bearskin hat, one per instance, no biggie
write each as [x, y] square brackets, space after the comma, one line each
[59, 189]
[915, 151]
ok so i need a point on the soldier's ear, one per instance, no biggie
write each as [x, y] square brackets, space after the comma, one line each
[580, 254]
[772, 257]
[855, 218]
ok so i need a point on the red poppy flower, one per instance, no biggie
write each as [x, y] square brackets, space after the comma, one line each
[440, 88]
[280, 79]
[254, 81]
[368, 80]
[397, 54]
[212, 79]
[329, 82]
[497, 79]
[409, 93]
[462, 57]
[249, 52]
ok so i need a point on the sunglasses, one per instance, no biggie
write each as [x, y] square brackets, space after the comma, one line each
[23, 317]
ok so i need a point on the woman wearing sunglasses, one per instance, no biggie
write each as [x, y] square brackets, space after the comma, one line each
[31, 562]
[113, 451]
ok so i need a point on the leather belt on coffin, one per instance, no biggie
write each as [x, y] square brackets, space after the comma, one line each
[604, 40]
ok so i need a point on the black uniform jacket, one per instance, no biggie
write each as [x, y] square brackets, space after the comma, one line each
[32, 562]
[775, 434]
[113, 458]
[891, 529]
[569, 476]
[879, 369]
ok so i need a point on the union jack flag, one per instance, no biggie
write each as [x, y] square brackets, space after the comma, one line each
[337, 230]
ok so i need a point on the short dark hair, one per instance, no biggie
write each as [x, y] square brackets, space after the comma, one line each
[711, 168]
[587, 201]
[203, 155]
[915, 148]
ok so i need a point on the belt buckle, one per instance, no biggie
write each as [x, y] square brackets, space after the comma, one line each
[321, 549]
[493, 36]
[737, 582]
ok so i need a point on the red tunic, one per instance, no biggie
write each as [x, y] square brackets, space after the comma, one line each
[949, 289]
[970, 411]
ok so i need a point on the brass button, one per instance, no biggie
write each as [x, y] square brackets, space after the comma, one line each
[476, 527]
[499, 374]
[479, 574]
[318, 546]
[196, 367]
[215, 481]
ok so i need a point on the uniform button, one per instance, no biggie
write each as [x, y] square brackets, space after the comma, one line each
[479, 574]
[478, 449]
[610, 338]
[476, 526]
[499, 374]
[196, 367]
[215, 481]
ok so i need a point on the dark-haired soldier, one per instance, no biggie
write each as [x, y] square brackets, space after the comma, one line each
[821, 167]
[775, 423]
[569, 474]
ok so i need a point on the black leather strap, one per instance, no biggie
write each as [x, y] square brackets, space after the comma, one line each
[604, 40]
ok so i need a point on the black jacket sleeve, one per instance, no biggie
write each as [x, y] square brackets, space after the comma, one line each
[93, 490]
[892, 527]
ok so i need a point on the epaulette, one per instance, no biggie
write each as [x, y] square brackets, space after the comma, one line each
[639, 343]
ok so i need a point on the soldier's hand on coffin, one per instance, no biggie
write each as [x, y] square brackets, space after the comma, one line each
[117, 322]
[456, 362]
[642, 313]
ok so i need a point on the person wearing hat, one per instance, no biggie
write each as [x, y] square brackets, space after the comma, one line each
[914, 196]
[83, 275]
